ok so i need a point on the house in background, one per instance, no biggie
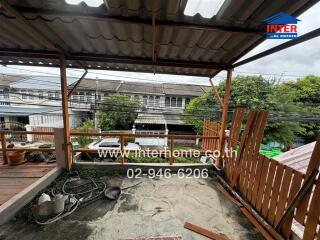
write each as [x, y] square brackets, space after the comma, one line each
[36, 100]
[163, 103]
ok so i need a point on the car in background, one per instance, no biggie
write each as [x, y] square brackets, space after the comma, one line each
[112, 144]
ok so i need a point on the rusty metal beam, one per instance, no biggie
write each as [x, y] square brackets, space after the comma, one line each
[303, 38]
[136, 20]
[77, 83]
[20, 53]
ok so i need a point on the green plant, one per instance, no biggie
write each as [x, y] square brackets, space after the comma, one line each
[118, 112]
[85, 128]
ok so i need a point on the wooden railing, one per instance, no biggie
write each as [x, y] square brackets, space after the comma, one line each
[122, 137]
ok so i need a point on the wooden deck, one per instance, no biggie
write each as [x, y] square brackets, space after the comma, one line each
[14, 179]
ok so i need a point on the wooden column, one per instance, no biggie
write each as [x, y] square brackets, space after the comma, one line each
[224, 117]
[171, 149]
[122, 142]
[4, 147]
[66, 125]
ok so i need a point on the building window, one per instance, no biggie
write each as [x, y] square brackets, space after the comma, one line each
[157, 101]
[151, 100]
[145, 100]
[179, 102]
[50, 95]
[57, 95]
[74, 98]
[167, 102]
[6, 93]
[31, 96]
[173, 102]
[23, 94]
[187, 101]
[81, 94]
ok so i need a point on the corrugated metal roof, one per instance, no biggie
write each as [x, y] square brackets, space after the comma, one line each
[298, 158]
[25, 111]
[87, 33]
[145, 118]
[143, 87]
[7, 80]
[187, 90]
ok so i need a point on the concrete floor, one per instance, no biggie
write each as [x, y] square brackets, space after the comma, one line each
[153, 208]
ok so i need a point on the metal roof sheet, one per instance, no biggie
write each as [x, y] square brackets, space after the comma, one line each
[100, 43]
[145, 118]
[25, 111]
[297, 158]
[143, 87]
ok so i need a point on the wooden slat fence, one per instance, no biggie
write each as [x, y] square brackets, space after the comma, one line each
[270, 186]
[42, 137]
[49, 138]
[210, 129]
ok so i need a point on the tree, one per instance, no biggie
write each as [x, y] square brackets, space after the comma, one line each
[118, 112]
[198, 109]
[256, 92]
[85, 127]
[305, 93]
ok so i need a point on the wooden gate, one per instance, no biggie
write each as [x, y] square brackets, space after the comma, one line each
[210, 129]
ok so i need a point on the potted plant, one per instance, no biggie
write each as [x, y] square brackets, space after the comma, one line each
[15, 157]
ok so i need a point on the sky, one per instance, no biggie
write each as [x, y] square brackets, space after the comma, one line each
[295, 62]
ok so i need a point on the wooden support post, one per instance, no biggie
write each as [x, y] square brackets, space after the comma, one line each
[4, 148]
[122, 148]
[171, 150]
[216, 93]
[66, 125]
[224, 117]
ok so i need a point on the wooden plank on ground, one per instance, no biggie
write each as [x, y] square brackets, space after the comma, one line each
[204, 232]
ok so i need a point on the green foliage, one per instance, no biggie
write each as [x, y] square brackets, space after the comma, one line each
[136, 159]
[84, 128]
[293, 100]
[197, 109]
[118, 112]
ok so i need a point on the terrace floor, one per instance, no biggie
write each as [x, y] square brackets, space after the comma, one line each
[154, 208]
[14, 179]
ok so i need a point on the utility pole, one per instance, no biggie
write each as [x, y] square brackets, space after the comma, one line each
[96, 107]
